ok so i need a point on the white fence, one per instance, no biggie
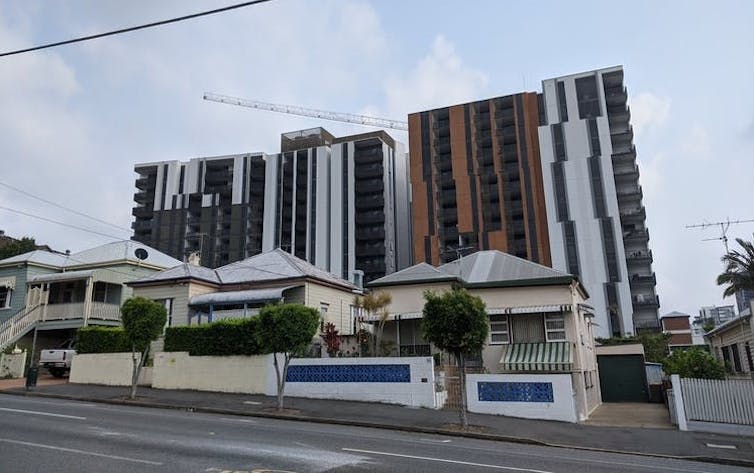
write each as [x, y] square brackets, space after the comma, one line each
[725, 401]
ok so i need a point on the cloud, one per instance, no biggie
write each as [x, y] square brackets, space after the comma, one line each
[649, 112]
[697, 142]
[440, 78]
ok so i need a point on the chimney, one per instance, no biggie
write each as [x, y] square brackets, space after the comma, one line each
[195, 259]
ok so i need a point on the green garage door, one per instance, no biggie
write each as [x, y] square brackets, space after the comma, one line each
[622, 378]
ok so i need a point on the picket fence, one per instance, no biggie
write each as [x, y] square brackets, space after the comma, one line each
[728, 401]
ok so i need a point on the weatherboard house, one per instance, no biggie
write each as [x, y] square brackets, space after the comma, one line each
[62, 292]
[541, 329]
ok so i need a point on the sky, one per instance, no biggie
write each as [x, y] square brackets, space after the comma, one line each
[75, 119]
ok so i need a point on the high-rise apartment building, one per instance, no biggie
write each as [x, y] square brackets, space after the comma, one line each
[476, 180]
[550, 177]
[340, 203]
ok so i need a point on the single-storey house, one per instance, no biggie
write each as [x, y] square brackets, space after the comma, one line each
[732, 343]
[195, 294]
[540, 322]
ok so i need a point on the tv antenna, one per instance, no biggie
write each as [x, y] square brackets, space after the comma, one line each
[723, 229]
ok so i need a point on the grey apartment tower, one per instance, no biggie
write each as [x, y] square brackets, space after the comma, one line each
[341, 203]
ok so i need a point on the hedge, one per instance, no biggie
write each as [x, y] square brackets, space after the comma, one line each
[222, 338]
[102, 340]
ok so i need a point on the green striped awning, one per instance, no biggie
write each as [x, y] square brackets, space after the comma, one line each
[546, 356]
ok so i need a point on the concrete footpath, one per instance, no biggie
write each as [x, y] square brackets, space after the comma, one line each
[643, 441]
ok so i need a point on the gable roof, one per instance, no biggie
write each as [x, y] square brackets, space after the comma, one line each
[675, 313]
[418, 273]
[275, 265]
[491, 268]
[182, 271]
[119, 251]
[110, 252]
[40, 257]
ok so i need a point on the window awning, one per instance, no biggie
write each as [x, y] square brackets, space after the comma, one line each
[534, 309]
[104, 275]
[545, 356]
[253, 296]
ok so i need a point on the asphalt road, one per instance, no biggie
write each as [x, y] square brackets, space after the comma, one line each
[46, 435]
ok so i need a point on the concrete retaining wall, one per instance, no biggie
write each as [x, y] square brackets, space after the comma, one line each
[230, 374]
[111, 369]
[532, 396]
[12, 365]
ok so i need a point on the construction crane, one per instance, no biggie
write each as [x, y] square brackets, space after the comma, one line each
[309, 112]
[723, 229]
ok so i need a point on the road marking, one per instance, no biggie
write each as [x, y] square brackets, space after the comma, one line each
[39, 413]
[443, 460]
[715, 445]
[82, 452]
[435, 440]
[253, 403]
[246, 421]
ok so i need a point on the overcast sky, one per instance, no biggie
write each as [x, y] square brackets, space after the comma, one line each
[74, 120]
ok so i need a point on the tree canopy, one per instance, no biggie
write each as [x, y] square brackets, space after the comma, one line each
[143, 320]
[739, 269]
[455, 321]
[694, 363]
[18, 247]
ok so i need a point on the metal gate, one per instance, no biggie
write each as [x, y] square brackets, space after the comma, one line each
[623, 378]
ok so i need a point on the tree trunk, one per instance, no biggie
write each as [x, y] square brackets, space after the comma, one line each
[281, 376]
[137, 369]
[462, 380]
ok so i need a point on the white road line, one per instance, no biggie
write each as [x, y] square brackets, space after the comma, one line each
[715, 445]
[246, 421]
[39, 413]
[457, 462]
[81, 452]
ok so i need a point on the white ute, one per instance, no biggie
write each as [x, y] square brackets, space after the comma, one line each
[58, 361]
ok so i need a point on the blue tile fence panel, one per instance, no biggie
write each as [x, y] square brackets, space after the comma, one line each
[349, 374]
[515, 392]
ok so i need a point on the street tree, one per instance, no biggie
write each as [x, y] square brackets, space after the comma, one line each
[375, 304]
[457, 322]
[694, 363]
[143, 321]
[286, 330]
[739, 269]
[17, 247]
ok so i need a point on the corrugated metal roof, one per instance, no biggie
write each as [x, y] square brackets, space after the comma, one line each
[42, 257]
[182, 271]
[239, 297]
[121, 250]
[419, 272]
[494, 266]
[67, 276]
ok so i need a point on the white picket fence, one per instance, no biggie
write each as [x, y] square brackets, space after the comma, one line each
[729, 401]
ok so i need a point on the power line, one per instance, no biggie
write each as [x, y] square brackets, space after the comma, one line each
[61, 223]
[64, 207]
[134, 28]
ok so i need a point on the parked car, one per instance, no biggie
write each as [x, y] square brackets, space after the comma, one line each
[58, 360]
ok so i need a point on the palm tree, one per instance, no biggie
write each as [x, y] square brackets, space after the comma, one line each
[739, 269]
[375, 304]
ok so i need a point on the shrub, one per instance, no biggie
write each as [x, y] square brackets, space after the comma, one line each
[102, 340]
[694, 363]
[222, 338]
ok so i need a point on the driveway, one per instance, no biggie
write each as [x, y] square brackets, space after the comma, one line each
[631, 414]
[44, 379]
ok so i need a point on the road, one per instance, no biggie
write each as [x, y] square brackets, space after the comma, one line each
[41, 435]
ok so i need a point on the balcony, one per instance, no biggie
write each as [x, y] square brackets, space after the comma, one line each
[645, 301]
[369, 156]
[142, 212]
[219, 177]
[633, 214]
[371, 217]
[376, 249]
[368, 171]
[143, 198]
[640, 279]
[639, 256]
[616, 96]
[370, 233]
[142, 225]
[75, 310]
[626, 172]
[363, 202]
[146, 183]
[370, 187]
[633, 193]
[641, 235]
[507, 135]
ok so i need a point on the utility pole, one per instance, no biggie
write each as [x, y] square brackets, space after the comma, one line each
[723, 229]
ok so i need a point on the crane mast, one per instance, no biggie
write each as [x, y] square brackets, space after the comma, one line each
[309, 112]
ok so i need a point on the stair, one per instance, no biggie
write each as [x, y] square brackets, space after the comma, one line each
[18, 325]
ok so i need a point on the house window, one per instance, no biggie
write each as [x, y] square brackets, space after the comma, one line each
[168, 304]
[528, 328]
[499, 331]
[323, 308]
[5, 294]
[555, 327]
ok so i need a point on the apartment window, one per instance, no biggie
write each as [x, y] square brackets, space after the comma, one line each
[555, 327]
[594, 137]
[589, 101]
[5, 296]
[499, 330]
[598, 191]
[571, 247]
[608, 240]
[558, 142]
[562, 107]
[561, 196]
